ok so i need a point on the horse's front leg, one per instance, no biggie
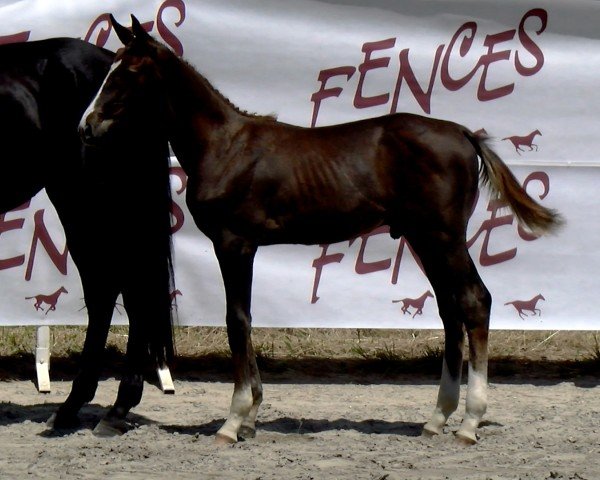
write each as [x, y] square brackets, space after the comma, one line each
[100, 303]
[236, 257]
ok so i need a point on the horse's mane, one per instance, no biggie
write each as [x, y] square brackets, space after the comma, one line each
[194, 71]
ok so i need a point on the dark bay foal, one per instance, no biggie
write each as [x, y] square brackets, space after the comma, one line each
[254, 181]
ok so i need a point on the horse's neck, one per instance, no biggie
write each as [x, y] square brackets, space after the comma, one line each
[201, 115]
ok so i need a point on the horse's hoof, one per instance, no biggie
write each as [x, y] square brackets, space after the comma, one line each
[466, 438]
[224, 440]
[111, 428]
[430, 431]
[247, 432]
[63, 422]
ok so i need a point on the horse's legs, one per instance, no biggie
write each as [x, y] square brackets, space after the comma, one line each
[462, 300]
[236, 257]
[88, 247]
[99, 304]
[132, 383]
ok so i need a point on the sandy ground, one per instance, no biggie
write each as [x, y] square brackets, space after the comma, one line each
[309, 430]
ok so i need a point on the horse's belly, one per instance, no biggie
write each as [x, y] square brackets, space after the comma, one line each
[318, 228]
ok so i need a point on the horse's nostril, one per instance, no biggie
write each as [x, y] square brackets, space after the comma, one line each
[87, 133]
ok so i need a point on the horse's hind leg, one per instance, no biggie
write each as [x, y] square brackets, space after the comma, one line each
[463, 301]
[236, 257]
[131, 385]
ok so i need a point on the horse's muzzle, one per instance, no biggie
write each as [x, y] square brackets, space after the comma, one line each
[91, 132]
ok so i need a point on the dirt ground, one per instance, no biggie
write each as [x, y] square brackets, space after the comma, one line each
[311, 427]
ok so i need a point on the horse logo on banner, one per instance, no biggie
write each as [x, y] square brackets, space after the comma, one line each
[416, 303]
[522, 306]
[526, 141]
[50, 300]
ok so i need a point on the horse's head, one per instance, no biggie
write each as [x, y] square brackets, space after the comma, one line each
[130, 96]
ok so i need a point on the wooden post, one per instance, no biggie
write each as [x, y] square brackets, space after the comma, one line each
[42, 359]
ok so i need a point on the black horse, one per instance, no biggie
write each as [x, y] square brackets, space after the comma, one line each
[254, 181]
[118, 237]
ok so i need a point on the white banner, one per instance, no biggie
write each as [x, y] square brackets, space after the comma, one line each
[525, 72]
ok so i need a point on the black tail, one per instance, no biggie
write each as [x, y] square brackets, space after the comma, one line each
[143, 168]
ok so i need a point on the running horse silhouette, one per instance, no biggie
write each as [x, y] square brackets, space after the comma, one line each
[50, 300]
[118, 236]
[255, 181]
[522, 306]
[526, 141]
[417, 303]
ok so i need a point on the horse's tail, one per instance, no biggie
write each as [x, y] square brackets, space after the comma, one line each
[145, 197]
[495, 174]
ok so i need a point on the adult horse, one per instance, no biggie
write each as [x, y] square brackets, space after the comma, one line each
[118, 239]
[254, 181]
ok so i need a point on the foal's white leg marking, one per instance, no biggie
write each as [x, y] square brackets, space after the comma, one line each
[476, 404]
[92, 106]
[249, 423]
[447, 402]
[241, 404]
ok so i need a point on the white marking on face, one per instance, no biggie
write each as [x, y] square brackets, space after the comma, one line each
[92, 106]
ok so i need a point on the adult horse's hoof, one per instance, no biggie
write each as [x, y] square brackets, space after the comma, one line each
[247, 432]
[58, 422]
[111, 428]
[224, 440]
[466, 438]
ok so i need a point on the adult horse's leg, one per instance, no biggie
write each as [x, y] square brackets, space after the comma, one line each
[132, 383]
[236, 257]
[87, 232]
[463, 302]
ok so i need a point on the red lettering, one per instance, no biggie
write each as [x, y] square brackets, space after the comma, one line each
[398, 262]
[7, 226]
[485, 258]
[490, 57]
[371, 64]
[323, 92]
[363, 267]
[543, 178]
[103, 34]
[465, 45]
[529, 44]
[166, 34]
[318, 264]
[176, 210]
[41, 235]
[453, 60]
[14, 38]
[422, 97]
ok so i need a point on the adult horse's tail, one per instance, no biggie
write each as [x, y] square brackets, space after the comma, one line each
[138, 184]
[496, 175]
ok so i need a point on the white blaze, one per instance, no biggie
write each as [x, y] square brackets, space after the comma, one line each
[92, 106]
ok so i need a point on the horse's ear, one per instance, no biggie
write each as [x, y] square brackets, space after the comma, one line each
[138, 30]
[124, 34]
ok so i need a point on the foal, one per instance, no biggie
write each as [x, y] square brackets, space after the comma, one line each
[254, 181]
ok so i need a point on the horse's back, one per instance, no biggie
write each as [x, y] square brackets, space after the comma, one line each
[44, 88]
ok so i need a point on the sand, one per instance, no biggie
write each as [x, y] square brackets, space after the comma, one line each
[309, 429]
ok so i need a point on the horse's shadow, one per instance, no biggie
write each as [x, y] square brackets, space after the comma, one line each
[89, 416]
[307, 426]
